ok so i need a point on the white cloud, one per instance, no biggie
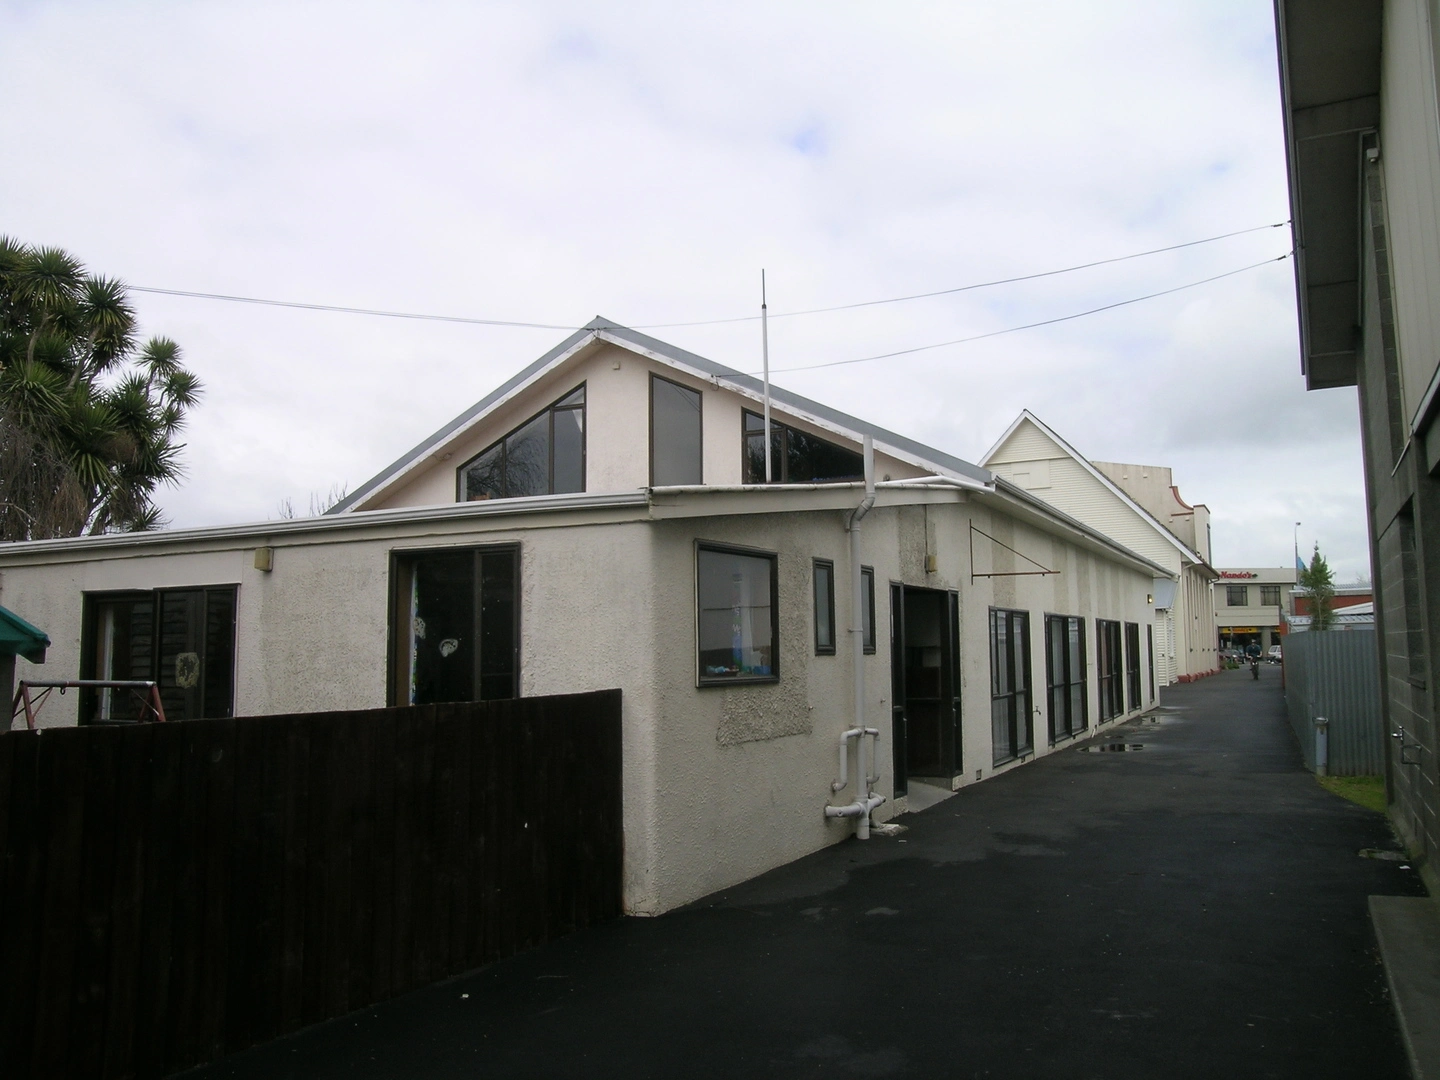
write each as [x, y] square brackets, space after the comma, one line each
[553, 161]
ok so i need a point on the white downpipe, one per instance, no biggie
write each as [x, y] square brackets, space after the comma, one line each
[866, 801]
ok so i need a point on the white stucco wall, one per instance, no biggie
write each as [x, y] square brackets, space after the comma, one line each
[720, 783]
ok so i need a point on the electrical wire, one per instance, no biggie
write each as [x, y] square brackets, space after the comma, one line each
[340, 309]
[970, 288]
[1031, 326]
[348, 310]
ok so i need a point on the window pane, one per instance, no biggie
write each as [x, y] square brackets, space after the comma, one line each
[498, 639]
[569, 451]
[527, 459]
[867, 608]
[124, 650]
[1237, 595]
[736, 638]
[575, 397]
[674, 433]
[1000, 728]
[441, 628]
[825, 607]
[484, 478]
[219, 697]
[181, 615]
[810, 458]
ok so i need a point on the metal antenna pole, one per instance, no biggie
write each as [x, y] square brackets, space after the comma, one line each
[765, 356]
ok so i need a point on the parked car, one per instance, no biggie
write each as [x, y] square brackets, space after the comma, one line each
[1274, 655]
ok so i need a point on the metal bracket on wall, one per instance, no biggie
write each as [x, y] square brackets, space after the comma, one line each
[1042, 572]
[1409, 753]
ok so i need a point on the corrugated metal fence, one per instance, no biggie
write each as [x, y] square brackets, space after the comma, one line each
[1335, 674]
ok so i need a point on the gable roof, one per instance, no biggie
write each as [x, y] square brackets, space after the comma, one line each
[1105, 481]
[605, 330]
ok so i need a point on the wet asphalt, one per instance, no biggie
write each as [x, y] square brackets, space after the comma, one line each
[1195, 908]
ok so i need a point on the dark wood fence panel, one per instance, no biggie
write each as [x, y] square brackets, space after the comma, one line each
[170, 893]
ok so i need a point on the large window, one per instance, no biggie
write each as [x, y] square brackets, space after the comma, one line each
[1108, 661]
[455, 626]
[1065, 675]
[675, 442]
[1132, 664]
[543, 456]
[1237, 596]
[737, 624]
[1269, 595]
[824, 607]
[1010, 684]
[182, 639]
[796, 457]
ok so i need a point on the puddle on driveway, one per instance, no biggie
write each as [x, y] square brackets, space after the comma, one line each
[1114, 747]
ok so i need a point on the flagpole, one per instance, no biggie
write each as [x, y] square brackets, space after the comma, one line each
[765, 356]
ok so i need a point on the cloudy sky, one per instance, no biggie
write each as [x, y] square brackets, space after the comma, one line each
[549, 162]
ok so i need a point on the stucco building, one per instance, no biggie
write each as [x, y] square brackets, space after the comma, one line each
[1139, 506]
[1251, 604]
[603, 520]
[1362, 135]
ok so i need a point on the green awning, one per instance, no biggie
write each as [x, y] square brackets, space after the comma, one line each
[19, 638]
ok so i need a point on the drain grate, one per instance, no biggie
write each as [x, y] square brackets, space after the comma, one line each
[1113, 747]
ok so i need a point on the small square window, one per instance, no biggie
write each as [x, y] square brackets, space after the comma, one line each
[1237, 595]
[736, 615]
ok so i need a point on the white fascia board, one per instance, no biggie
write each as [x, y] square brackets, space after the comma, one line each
[1109, 484]
[1019, 503]
[318, 529]
[984, 461]
[421, 454]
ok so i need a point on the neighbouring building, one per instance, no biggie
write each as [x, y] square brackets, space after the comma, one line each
[603, 520]
[1140, 507]
[1362, 135]
[1251, 605]
[1353, 606]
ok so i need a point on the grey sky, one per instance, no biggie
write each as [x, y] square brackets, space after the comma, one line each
[550, 162]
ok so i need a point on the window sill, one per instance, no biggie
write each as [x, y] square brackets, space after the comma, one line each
[763, 680]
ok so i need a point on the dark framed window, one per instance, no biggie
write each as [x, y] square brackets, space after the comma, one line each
[1237, 596]
[824, 582]
[675, 434]
[867, 608]
[455, 625]
[1010, 684]
[737, 622]
[1108, 662]
[796, 457]
[1132, 665]
[1065, 676]
[543, 456]
[182, 639]
[1269, 595]
[1150, 657]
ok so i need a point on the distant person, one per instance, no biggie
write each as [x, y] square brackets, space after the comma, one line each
[1252, 651]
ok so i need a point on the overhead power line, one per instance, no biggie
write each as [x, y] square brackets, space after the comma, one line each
[1033, 325]
[348, 310]
[972, 287]
[344, 310]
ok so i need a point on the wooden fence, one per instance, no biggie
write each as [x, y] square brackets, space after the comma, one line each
[170, 893]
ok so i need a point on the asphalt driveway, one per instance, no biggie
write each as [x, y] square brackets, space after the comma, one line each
[1195, 908]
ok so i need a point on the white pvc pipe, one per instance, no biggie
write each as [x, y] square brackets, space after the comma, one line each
[864, 800]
